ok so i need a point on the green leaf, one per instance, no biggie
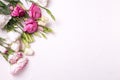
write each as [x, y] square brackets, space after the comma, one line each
[43, 35]
[30, 37]
[5, 57]
[10, 25]
[1, 39]
[37, 34]
[47, 30]
[25, 43]
[4, 9]
[27, 37]
[10, 51]
[13, 2]
[2, 4]
[49, 12]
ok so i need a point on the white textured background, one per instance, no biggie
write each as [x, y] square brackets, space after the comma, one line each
[86, 44]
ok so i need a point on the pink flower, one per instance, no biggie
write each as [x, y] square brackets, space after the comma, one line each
[15, 57]
[35, 11]
[19, 66]
[18, 11]
[11, 8]
[31, 26]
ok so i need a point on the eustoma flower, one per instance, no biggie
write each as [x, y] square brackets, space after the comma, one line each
[15, 57]
[35, 12]
[18, 11]
[20, 65]
[31, 26]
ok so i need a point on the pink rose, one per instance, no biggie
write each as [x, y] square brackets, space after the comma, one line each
[15, 57]
[35, 11]
[19, 66]
[18, 11]
[31, 26]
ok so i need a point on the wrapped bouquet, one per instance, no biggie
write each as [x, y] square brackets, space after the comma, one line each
[20, 21]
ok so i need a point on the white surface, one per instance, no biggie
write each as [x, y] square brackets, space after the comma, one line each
[86, 44]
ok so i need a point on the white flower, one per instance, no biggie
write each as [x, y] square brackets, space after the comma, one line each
[43, 21]
[4, 20]
[16, 46]
[8, 41]
[41, 2]
[13, 36]
[4, 35]
[29, 51]
[2, 49]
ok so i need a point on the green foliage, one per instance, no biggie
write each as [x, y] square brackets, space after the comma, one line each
[9, 52]
[1, 41]
[43, 35]
[47, 29]
[49, 12]
[27, 38]
[10, 25]
[13, 2]
[4, 9]
[5, 56]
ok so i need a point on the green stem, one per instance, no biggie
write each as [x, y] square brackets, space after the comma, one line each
[4, 55]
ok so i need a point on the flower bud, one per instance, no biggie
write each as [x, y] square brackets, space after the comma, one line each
[43, 21]
[29, 51]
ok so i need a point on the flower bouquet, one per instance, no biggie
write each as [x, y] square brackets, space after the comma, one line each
[21, 20]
